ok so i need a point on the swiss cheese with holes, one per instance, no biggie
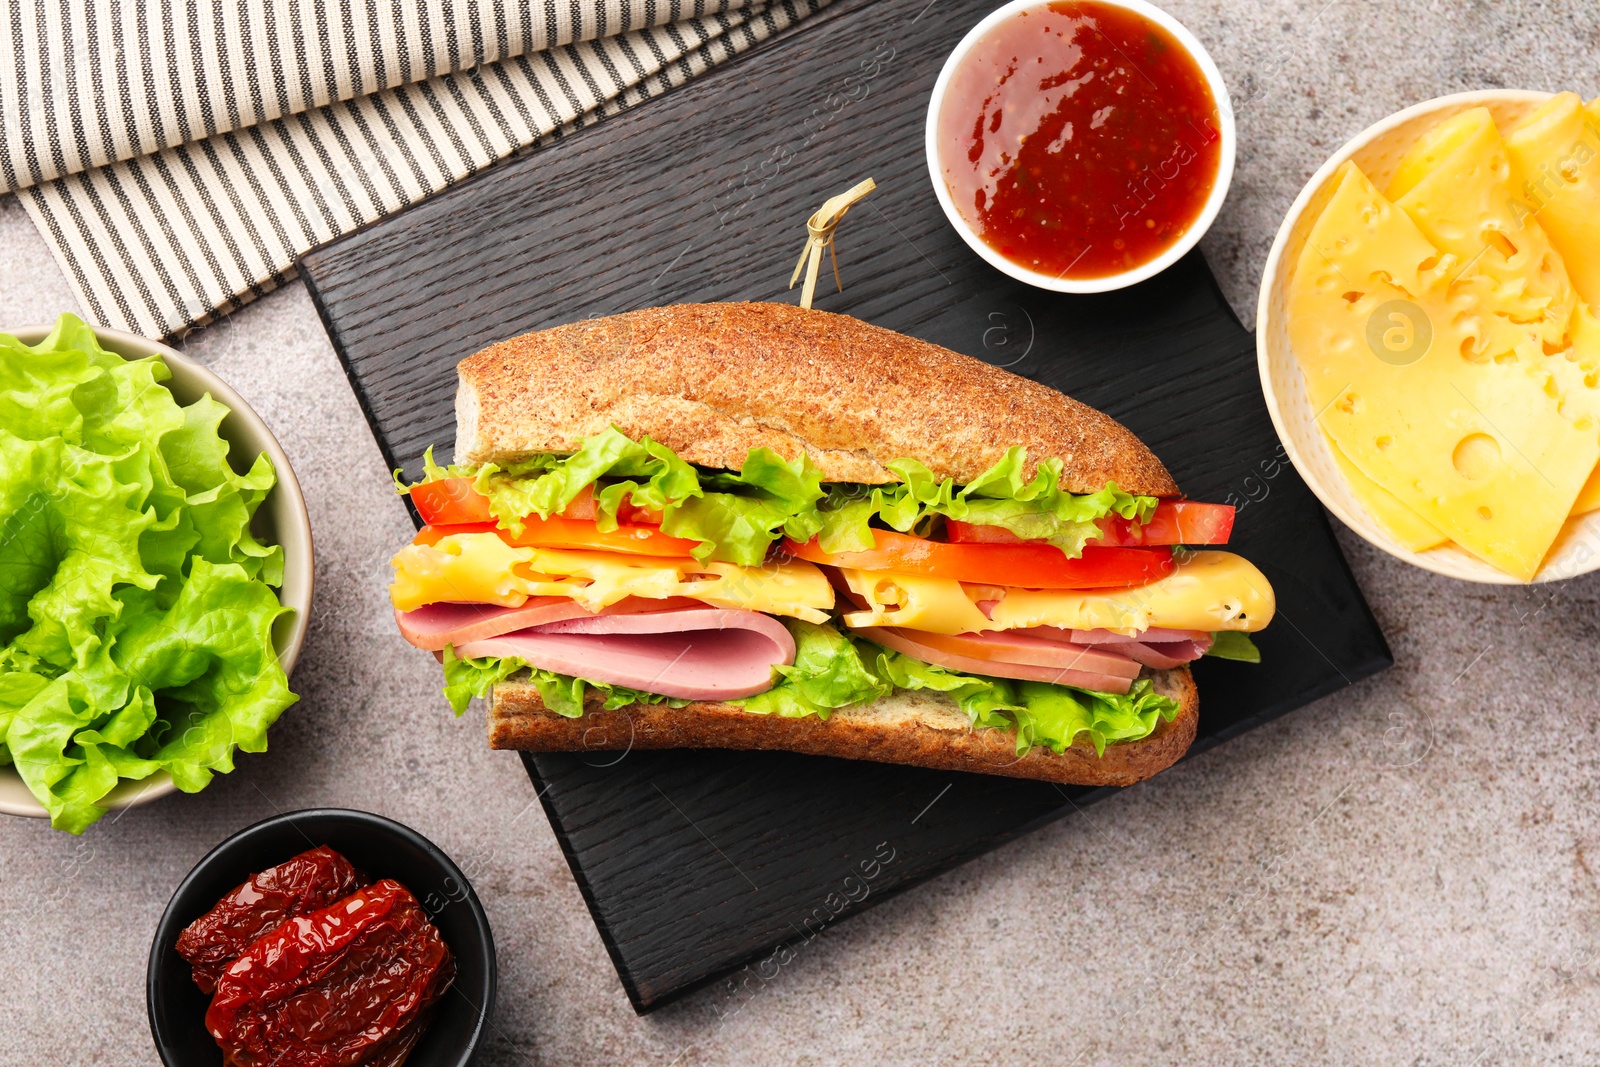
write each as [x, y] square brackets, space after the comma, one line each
[1436, 377]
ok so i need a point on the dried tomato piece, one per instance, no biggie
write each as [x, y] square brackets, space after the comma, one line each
[314, 879]
[352, 983]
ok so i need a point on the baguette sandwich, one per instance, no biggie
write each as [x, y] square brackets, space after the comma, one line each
[757, 526]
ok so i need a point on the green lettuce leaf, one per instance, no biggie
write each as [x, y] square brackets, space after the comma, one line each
[1041, 713]
[833, 670]
[1231, 644]
[735, 517]
[828, 672]
[135, 604]
[1036, 508]
[562, 694]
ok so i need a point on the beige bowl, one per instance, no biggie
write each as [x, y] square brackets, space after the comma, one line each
[1377, 151]
[281, 518]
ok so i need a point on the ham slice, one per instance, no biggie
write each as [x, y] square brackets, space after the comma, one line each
[1012, 654]
[1164, 655]
[437, 625]
[693, 653]
[1155, 647]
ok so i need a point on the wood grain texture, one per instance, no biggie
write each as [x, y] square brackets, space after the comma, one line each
[695, 862]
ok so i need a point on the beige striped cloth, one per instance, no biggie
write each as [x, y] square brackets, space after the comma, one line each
[179, 155]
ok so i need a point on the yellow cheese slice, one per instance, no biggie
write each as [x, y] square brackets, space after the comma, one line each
[480, 568]
[1456, 184]
[1555, 153]
[1392, 345]
[1208, 591]
[1589, 496]
[1404, 525]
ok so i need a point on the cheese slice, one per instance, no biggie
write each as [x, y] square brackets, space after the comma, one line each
[1456, 184]
[1208, 591]
[480, 568]
[1555, 153]
[1392, 341]
[1404, 525]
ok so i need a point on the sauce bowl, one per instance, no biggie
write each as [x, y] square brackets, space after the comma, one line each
[1223, 122]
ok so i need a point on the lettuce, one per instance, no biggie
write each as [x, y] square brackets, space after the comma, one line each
[1231, 644]
[1040, 712]
[562, 694]
[833, 670]
[1037, 508]
[828, 672]
[136, 611]
[735, 517]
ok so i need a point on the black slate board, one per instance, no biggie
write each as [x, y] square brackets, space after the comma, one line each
[694, 863]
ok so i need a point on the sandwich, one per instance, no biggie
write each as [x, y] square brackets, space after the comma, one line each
[757, 526]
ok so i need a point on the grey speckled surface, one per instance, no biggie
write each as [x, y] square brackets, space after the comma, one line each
[1405, 873]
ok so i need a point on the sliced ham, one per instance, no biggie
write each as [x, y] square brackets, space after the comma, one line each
[1012, 654]
[695, 653]
[437, 625]
[1155, 647]
[1164, 655]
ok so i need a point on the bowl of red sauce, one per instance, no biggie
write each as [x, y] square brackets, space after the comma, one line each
[1080, 145]
[322, 938]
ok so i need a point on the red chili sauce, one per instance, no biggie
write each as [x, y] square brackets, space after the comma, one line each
[1079, 139]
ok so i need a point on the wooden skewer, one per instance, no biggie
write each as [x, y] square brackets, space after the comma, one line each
[819, 235]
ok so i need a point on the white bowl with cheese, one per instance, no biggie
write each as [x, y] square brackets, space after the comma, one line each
[1378, 152]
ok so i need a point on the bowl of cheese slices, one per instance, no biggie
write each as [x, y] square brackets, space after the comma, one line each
[1428, 337]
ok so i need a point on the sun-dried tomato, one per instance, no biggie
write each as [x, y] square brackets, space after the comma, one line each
[314, 879]
[350, 984]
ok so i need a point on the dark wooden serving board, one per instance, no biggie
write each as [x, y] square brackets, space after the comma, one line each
[694, 863]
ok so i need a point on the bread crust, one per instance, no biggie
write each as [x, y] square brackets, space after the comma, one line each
[916, 728]
[712, 381]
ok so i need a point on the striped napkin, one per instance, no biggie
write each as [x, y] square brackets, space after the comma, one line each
[178, 156]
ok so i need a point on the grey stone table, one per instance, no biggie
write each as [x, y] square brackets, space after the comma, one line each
[1407, 872]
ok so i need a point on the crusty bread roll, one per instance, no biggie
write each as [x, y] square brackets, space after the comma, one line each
[919, 728]
[712, 381]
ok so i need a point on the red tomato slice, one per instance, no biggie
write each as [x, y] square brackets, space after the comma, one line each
[1174, 522]
[1030, 566]
[450, 502]
[453, 501]
[571, 533]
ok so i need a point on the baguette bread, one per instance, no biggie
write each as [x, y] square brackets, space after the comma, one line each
[712, 381]
[919, 728]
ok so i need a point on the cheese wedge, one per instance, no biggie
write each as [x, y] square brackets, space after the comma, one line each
[1208, 591]
[1555, 154]
[1404, 525]
[1393, 345]
[1456, 184]
[480, 568]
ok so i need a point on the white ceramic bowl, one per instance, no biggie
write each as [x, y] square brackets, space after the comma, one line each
[281, 519]
[1219, 190]
[1377, 151]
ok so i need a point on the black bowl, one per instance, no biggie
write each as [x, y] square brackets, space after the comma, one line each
[384, 849]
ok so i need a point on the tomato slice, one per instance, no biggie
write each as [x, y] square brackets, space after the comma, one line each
[450, 502]
[1029, 566]
[454, 501]
[1174, 522]
[556, 532]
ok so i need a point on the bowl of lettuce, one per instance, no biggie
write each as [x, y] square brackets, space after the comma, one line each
[155, 573]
